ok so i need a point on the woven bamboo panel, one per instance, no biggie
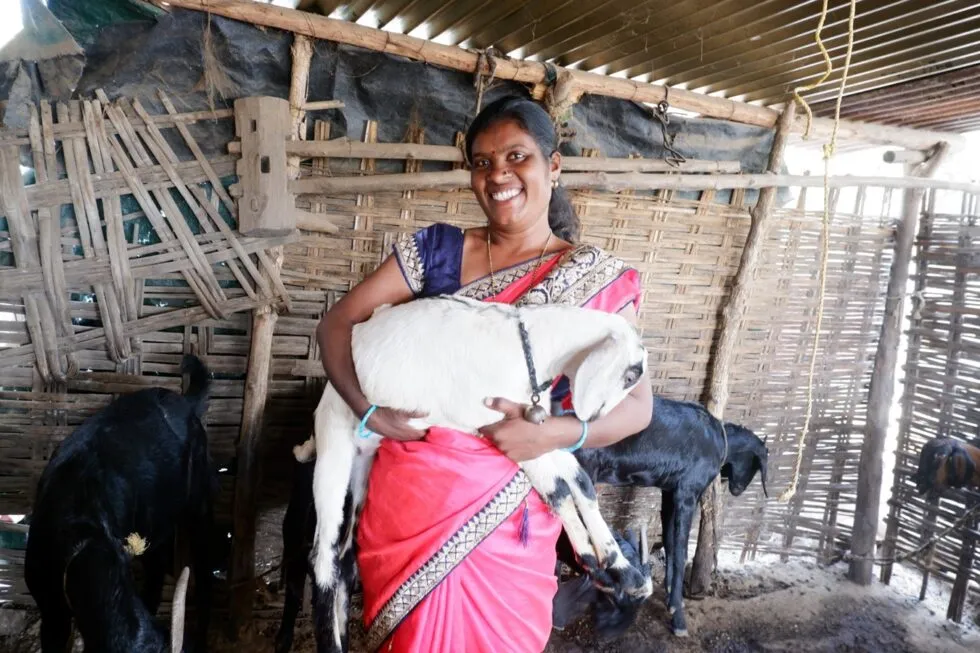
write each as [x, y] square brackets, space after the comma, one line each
[687, 252]
[942, 389]
[118, 254]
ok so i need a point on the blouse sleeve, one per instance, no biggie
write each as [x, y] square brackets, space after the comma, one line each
[407, 251]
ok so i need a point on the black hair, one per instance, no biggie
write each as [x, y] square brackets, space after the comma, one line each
[533, 119]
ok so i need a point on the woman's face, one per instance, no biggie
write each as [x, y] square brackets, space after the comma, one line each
[511, 177]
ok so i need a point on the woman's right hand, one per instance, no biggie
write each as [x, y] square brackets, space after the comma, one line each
[392, 423]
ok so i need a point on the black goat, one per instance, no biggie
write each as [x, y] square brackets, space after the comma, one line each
[614, 612]
[947, 463]
[140, 466]
[681, 452]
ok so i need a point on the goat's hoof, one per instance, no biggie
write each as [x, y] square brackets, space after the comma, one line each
[680, 633]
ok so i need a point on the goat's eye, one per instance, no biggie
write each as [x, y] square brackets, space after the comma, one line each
[632, 375]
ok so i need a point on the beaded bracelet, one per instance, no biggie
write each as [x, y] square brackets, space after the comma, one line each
[362, 430]
[581, 440]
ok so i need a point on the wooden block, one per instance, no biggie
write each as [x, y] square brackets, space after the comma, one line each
[265, 208]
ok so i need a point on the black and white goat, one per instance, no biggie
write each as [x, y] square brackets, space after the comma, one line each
[118, 486]
[681, 452]
[443, 357]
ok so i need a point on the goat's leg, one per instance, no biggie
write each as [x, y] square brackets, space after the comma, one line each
[558, 495]
[297, 535]
[203, 578]
[331, 604]
[334, 426]
[683, 515]
[55, 627]
[611, 557]
[667, 528]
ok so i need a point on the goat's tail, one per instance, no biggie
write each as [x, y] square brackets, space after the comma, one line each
[199, 383]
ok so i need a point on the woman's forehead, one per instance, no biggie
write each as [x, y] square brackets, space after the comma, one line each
[501, 135]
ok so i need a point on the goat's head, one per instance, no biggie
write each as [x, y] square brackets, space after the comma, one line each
[944, 462]
[747, 454]
[608, 370]
[617, 603]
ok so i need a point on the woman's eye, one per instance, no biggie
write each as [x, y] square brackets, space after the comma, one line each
[481, 163]
[518, 156]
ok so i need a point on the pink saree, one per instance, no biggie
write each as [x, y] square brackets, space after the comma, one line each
[440, 559]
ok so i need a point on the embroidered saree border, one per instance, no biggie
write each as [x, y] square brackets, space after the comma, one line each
[453, 552]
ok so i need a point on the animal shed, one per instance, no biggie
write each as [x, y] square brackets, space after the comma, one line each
[148, 263]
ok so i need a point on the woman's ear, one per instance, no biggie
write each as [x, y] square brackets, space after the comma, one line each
[555, 164]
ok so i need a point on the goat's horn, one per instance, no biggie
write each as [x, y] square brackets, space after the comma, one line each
[177, 610]
[644, 545]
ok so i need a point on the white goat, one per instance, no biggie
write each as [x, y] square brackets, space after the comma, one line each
[443, 357]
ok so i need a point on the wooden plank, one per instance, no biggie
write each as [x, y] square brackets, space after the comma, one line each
[266, 208]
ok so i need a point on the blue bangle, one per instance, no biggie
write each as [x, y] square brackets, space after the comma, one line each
[581, 440]
[362, 430]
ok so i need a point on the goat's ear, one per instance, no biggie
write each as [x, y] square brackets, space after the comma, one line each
[597, 383]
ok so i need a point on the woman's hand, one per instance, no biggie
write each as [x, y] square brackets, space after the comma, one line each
[519, 439]
[392, 423]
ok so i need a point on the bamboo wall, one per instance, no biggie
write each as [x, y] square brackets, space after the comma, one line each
[942, 390]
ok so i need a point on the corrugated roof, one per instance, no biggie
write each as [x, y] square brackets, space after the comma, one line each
[749, 50]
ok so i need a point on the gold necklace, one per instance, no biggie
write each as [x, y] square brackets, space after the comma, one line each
[493, 281]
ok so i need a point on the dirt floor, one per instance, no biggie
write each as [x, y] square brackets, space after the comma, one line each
[762, 606]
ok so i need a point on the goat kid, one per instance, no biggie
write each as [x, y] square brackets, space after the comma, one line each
[947, 463]
[118, 484]
[681, 452]
[470, 350]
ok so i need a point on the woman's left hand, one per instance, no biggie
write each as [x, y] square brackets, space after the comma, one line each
[517, 438]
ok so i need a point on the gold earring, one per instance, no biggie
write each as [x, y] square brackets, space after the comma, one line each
[554, 183]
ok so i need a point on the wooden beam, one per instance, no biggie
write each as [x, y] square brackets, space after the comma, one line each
[456, 179]
[344, 148]
[705, 557]
[532, 72]
[883, 383]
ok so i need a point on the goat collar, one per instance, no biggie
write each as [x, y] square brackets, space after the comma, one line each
[534, 413]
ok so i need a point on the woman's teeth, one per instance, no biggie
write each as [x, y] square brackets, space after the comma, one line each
[505, 195]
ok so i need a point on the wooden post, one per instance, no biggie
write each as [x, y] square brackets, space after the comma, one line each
[245, 509]
[883, 383]
[705, 556]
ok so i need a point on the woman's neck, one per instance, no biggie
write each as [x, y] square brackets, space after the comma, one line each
[517, 241]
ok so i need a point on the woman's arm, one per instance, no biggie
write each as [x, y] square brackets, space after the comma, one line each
[383, 286]
[520, 440]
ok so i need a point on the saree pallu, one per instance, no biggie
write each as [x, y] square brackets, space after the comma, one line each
[440, 557]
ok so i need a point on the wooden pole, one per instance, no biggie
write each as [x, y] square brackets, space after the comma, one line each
[532, 72]
[344, 148]
[245, 515]
[455, 179]
[706, 554]
[883, 383]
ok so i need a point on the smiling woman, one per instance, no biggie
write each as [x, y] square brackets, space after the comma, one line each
[427, 489]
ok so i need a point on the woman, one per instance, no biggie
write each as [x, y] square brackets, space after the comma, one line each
[456, 553]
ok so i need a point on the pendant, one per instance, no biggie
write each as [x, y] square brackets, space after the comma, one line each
[536, 414]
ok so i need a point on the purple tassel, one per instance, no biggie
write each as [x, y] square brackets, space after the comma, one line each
[523, 531]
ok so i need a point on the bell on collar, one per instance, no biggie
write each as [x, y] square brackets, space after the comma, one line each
[536, 414]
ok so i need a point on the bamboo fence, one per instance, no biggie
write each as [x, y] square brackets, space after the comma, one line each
[942, 389]
[118, 254]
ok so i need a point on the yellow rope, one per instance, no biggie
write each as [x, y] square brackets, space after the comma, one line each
[828, 152]
[829, 66]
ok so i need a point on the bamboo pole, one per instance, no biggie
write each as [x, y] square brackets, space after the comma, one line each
[883, 383]
[706, 554]
[264, 318]
[532, 72]
[455, 179]
[344, 148]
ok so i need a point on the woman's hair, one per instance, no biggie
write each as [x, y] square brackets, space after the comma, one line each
[533, 119]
